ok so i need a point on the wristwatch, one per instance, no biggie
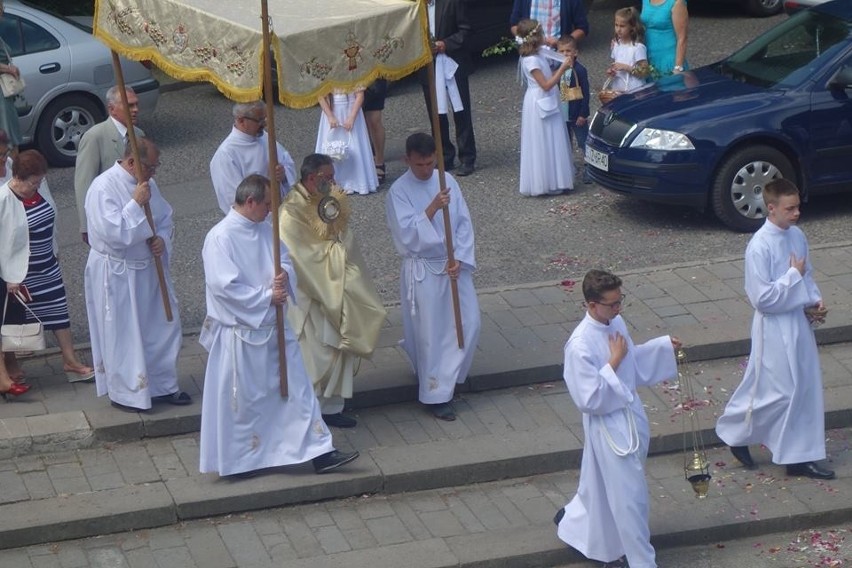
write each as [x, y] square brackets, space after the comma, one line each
[677, 68]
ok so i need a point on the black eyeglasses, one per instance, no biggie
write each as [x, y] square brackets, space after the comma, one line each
[616, 304]
[253, 119]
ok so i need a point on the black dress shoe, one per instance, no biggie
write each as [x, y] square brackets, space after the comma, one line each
[465, 170]
[557, 518]
[332, 460]
[443, 411]
[178, 398]
[620, 563]
[809, 469]
[743, 455]
[339, 420]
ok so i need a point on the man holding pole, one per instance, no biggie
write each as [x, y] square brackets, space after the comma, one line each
[338, 314]
[245, 151]
[134, 346]
[416, 205]
[246, 424]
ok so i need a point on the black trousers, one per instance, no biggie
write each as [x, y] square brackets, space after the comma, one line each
[463, 121]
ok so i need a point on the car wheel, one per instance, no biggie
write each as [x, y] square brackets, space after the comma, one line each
[764, 8]
[61, 126]
[737, 196]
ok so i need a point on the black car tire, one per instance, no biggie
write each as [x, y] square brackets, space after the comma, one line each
[61, 126]
[764, 8]
[737, 193]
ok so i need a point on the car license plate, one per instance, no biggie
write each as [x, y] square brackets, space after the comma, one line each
[597, 159]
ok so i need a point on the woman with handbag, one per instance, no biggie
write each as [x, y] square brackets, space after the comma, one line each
[8, 113]
[14, 258]
[43, 281]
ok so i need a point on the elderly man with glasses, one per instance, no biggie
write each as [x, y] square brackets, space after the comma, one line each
[245, 151]
[134, 347]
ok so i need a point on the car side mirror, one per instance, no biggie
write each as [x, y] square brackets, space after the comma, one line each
[842, 79]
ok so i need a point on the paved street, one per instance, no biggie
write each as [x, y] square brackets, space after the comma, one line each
[73, 467]
[83, 485]
[519, 240]
[504, 523]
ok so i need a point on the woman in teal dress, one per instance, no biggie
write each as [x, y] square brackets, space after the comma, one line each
[666, 23]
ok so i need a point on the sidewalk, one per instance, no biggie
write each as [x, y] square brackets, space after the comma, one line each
[64, 477]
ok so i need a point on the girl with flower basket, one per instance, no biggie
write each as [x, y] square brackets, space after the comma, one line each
[629, 56]
[343, 136]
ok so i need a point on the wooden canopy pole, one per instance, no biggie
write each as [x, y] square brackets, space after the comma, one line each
[274, 190]
[442, 181]
[131, 136]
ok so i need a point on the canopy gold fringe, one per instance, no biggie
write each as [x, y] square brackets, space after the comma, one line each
[143, 39]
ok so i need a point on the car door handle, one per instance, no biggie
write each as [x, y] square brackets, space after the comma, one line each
[49, 68]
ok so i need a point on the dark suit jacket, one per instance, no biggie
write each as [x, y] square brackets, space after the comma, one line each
[453, 27]
[572, 15]
[99, 148]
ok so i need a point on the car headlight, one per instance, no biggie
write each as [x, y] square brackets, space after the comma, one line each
[656, 139]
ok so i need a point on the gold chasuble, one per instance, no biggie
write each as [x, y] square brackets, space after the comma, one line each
[337, 307]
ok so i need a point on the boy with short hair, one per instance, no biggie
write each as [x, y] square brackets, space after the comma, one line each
[575, 111]
[415, 217]
[607, 520]
[779, 402]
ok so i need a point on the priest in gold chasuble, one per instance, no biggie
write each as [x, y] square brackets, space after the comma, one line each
[337, 314]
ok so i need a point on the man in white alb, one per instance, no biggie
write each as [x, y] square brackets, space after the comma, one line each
[779, 402]
[245, 151]
[134, 347]
[246, 425]
[415, 216]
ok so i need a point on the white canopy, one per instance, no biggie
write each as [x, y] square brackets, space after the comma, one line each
[319, 45]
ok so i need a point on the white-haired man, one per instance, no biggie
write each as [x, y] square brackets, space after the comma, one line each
[101, 146]
[245, 151]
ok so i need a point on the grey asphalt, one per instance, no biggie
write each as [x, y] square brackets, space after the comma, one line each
[73, 467]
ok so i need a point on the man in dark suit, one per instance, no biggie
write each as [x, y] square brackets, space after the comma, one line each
[449, 25]
[571, 19]
[101, 146]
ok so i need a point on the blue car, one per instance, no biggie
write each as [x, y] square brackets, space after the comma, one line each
[713, 137]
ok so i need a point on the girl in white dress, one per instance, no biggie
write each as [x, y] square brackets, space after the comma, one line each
[546, 167]
[342, 126]
[629, 55]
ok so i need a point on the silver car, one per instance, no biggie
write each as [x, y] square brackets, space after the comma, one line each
[67, 72]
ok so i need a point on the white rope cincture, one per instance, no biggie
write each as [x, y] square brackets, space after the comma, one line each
[632, 435]
[417, 272]
[238, 337]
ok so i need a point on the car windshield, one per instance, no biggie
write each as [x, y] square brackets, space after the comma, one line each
[788, 54]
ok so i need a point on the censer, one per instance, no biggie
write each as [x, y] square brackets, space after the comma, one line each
[696, 468]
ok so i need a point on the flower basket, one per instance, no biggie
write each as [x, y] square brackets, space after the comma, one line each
[336, 145]
[607, 93]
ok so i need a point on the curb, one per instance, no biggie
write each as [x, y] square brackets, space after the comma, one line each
[77, 430]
